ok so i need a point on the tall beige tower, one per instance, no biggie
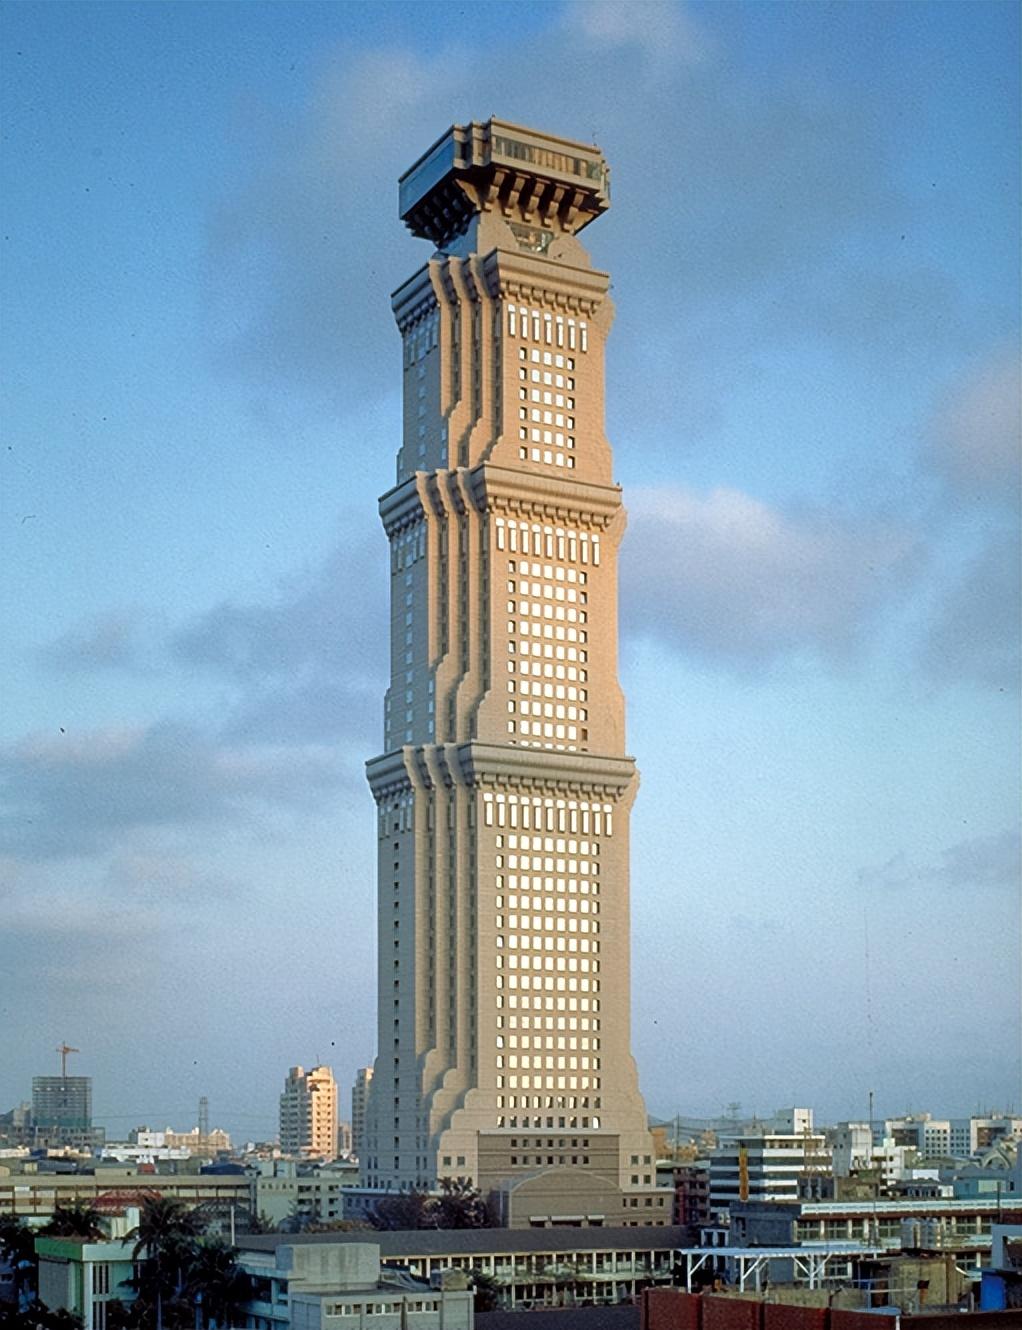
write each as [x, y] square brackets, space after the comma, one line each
[504, 792]
[308, 1113]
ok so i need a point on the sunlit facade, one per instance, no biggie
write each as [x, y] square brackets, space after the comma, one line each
[504, 792]
[308, 1113]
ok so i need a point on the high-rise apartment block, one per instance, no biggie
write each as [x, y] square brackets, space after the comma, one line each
[504, 792]
[62, 1102]
[308, 1113]
[359, 1103]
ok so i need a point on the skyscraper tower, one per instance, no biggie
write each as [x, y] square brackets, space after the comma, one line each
[504, 793]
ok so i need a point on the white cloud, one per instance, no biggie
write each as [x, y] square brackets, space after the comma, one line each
[88, 793]
[113, 640]
[739, 580]
[664, 31]
[982, 862]
[976, 628]
[976, 438]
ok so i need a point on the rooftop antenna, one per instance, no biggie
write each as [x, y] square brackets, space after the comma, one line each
[63, 1049]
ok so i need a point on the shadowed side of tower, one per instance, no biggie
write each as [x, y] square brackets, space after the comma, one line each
[504, 790]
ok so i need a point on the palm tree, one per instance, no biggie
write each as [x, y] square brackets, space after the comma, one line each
[166, 1237]
[77, 1219]
[215, 1283]
[17, 1248]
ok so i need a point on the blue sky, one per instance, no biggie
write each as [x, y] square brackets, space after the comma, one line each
[813, 400]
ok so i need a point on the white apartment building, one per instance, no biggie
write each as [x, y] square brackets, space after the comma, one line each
[854, 1148]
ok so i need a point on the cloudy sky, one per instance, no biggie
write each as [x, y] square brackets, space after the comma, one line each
[813, 398]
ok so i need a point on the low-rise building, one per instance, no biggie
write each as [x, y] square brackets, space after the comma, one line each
[286, 1189]
[319, 1286]
[33, 1197]
[959, 1227]
[84, 1277]
[855, 1149]
[950, 1138]
[530, 1268]
[690, 1184]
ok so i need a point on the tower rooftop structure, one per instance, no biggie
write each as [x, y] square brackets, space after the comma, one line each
[537, 182]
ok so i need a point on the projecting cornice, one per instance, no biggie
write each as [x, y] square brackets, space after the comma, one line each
[541, 771]
[516, 275]
[497, 489]
[404, 505]
[528, 494]
[502, 767]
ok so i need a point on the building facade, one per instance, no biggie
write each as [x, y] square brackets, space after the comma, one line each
[318, 1286]
[308, 1113]
[34, 1197]
[84, 1278]
[529, 1269]
[62, 1101]
[286, 1189]
[359, 1102]
[504, 792]
[763, 1166]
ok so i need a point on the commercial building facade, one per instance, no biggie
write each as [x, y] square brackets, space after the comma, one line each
[504, 792]
[765, 1166]
[285, 1189]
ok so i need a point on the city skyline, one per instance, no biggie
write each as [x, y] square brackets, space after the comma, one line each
[813, 411]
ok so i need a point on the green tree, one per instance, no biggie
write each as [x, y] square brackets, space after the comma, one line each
[77, 1219]
[486, 1291]
[403, 1210]
[459, 1205]
[37, 1316]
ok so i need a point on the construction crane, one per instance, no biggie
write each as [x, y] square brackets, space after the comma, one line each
[63, 1049]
